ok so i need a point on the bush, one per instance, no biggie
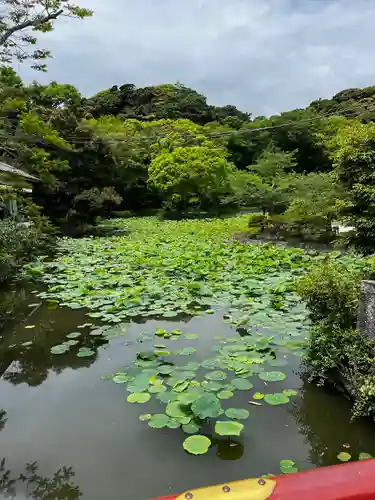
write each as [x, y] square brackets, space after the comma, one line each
[20, 242]
[331, 293]
[337, 351]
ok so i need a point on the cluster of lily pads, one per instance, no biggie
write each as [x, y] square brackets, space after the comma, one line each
[193, 393]
[104, 332]
[167, 269]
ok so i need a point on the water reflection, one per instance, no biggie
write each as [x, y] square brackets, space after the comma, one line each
[228, 449]
[25, 355]
[324, 417]
[31, 484]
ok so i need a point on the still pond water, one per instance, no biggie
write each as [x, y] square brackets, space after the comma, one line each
[60, 415]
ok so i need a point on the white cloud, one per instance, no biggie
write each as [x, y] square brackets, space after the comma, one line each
[264, 56]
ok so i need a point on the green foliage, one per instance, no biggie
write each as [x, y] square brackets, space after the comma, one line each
[266, 184]
[336, 350]
[316, 202]
[355, 160]
[351, 103]
[197, 445]
[161, 102]
[331, 292]
[21, 20]
[91, 203]
[196, 175]
[19, 243]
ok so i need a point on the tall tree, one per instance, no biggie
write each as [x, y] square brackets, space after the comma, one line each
[21, 19]
[355, 163]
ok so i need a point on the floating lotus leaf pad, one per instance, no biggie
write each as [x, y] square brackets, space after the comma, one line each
[139, 397]
[276, 399]
[212, 386]
[186, 351]
[290, 392]
[237, 413]
[288, 467]
[272, 376]
[176, 410]
[158, 421]
[197, 445]
[189, 397]
[174, 423]
[85, 352]
[225, 394]
[156, 389]
[121, 378]
[145, 418]
[344, 456]
[206, 406]
[166, 397]
[165, 369]
[216, 375]
[59, 349]
[191, 428]
[73, 335]
[241, 384]
[364, 456]
[229, 428]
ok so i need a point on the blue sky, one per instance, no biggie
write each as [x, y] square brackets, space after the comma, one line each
[264, 56]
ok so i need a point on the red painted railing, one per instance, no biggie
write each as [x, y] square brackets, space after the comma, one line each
[351, 481]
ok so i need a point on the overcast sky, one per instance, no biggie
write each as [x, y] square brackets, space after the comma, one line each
[264, 56]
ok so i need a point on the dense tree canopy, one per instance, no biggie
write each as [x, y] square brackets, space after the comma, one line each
[129, 148]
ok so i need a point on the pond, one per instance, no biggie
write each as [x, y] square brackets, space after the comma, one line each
[232, 334]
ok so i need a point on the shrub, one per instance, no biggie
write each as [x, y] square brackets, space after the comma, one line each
[331, 293]
[19, 242]
[336, 349]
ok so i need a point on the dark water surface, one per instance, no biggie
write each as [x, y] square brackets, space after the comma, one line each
[61, 416]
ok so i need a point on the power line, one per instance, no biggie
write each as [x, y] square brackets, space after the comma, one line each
[154, 139]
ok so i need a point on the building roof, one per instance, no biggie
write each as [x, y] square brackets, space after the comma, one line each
[16, 171]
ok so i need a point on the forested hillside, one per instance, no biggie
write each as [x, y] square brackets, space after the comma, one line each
[129, 148]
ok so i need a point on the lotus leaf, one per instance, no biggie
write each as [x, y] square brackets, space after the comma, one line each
[272, 376]
[241, 384]
[138, 397]
[59, 349]
[225, 394]
[216, 375]
[364, 456]
[186, 351]
[191, 428]
[206, 406]
[228, 428]
[290, 392]
[344, 456]
[73, 335]
[158, 421]
[237, 413]
[176, 410]
[197, 445]
[288, 467]
[276, 399]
